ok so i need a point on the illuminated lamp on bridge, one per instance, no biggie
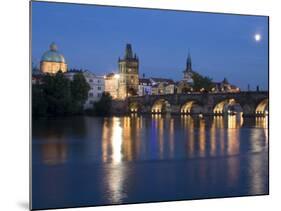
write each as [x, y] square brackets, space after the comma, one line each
[262, 108]
[134, 108]
[191, 107]
[161, 106]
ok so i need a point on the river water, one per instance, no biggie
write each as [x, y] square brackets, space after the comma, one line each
[85, 161]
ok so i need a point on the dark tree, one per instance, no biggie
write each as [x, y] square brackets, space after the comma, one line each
[57, 94]
[200, 82]
[103, 106]
[79, 92]
[39, 103]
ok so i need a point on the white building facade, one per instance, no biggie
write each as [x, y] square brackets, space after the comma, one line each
[161, 86]
[96, 86]
[145, 87]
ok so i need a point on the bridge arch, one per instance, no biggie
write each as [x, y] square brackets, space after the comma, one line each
[134, 107]
[248, 103]
[227, 106]
[262, 107]
[191, 107]
[161, 106]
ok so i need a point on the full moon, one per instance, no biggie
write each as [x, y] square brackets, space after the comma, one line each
[257, 37]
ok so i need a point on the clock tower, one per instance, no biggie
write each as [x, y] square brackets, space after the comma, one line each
[129, 74]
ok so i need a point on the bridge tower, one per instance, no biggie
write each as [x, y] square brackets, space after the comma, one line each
[129, 74]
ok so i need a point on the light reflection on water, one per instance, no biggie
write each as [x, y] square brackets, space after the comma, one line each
[136, 158]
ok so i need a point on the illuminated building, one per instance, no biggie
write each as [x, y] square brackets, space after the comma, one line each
[224, 86]
[97, 86]
[52, 61]
[145, 87]
[162, 86]
[129, 74]
[111, 82]
[185, 85]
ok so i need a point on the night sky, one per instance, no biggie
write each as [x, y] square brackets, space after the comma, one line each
[93, 37]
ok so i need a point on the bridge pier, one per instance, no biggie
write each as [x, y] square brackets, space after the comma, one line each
[251, 103]
[175, 109]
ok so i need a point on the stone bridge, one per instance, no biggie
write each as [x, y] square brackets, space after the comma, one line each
[250, 103]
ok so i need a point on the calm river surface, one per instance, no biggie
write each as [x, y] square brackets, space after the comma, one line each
[84, 161]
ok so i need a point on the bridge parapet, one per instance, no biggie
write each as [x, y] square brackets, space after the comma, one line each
[249, 101]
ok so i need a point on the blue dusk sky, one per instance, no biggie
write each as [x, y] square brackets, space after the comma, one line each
[93, 37]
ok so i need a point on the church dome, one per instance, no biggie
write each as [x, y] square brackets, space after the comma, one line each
[53, 55]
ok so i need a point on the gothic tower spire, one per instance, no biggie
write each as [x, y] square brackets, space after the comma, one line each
[129, 74]
[129, 52]
[188, 62]
[188, 72]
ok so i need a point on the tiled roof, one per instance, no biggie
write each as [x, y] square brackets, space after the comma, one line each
[144, 80]
[110, 75]
[158, 80]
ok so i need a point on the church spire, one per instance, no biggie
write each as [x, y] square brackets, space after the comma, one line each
[188, 62]
[129, 52]
[188, 73]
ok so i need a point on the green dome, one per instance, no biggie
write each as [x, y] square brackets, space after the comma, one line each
[53, 55]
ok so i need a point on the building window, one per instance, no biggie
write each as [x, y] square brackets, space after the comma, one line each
[91, 94]
[99, 88]
[91, 80]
